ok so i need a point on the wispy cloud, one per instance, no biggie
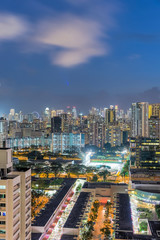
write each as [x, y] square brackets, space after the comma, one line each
[11, 26]
[134, 56]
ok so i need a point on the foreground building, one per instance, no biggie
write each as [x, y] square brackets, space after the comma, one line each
[63, 217]
[15, 200]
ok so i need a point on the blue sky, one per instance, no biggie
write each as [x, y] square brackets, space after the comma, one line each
[81, 53]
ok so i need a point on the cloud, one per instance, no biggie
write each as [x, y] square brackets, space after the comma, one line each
[76, 40]
[73, 57]
[68, 39]
[11, 26]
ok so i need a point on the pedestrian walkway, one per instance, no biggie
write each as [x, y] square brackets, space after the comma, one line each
[99, 224]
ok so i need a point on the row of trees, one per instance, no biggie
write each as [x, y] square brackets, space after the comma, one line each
[88, 228]
[106, 230]
[92, 173]
[157, 209]
[125, 170]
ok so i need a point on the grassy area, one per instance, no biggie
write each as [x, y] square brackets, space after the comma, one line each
[143, 226]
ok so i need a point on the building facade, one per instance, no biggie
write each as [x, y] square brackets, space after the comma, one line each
[15, 200]
[139, 121]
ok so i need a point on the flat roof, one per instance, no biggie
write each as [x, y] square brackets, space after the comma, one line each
[77, 211]
[68, 237]
[51, 206]
[144, 170]
[123, 211]
[155, 228]
[101, 184]
[9, 177]
[4, 148]
[145, 182]
[129, 235]
[35, 236]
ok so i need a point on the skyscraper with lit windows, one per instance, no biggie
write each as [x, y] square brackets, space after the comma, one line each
[139, 122]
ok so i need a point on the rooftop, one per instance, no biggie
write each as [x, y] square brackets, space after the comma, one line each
[9, 177]
[35, 236]
[68, 237]
[77, 211]
[146, 182]
[4, 148]
[155, 228]
[101, 185]
[51, 206]
[123, 211]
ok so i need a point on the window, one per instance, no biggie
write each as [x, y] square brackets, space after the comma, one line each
[2, 187]
[2, 222]
[2, 204]
[2, 213]
[2, 195]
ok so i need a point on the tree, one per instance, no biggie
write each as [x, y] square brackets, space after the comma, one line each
[143, 227]
[23, 165]
[104, 174]
[107, 146]
[46, 170]
[125, 170]
[75, 169]
[68, 170]
[157, 209]
[108, 208]
[95, 178]
[106, 231]
[35, 155]
[56, 168]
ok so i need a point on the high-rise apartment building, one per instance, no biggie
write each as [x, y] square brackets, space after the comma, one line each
[114, 135]
[154, 110]
[96, 131]
[139, 126]
[154, 127]
[15, 200]
[74, 113]
[3, 130]
[110, 116]
[56, 124]
[145, 153]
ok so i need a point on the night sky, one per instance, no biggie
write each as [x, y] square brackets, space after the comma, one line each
[83, 53]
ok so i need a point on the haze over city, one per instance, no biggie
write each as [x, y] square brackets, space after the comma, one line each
[83, 53]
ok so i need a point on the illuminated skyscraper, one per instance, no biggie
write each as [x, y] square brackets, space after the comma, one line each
[3, 130]
[139, 119]
[110, 116]
[56, 124]
[154, 127]
[74, 113]
[154, 110]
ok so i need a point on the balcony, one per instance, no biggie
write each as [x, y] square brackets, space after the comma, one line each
[2, 200]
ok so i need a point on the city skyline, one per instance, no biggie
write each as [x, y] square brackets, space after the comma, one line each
[61, 53]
